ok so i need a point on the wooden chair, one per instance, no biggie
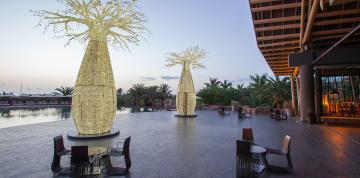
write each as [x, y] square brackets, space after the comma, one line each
[117, 152]
[80, 161]
[248, 135]
[244, 160]
[59, 150]
[285, 151]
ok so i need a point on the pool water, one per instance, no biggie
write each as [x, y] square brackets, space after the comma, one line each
[10, 117]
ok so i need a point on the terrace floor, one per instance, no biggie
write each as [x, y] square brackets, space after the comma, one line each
[165, 146]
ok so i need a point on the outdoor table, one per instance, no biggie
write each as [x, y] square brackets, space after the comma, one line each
[93, 151]
[258, 150]
[96, 152]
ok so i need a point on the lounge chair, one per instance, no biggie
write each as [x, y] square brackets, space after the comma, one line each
[125, 151]
[59, 150]
[285, 151]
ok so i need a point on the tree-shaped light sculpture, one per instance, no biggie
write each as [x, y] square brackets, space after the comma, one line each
[98, 22]
[186, 98]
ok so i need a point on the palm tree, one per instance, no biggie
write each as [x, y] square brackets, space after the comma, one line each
[65, 91]
[226, 84]
[164, 93]
[151, 93]
[186, 98]
[214, 83]
[240, 86]
[119, 91]
[279, 90]
[258, 89]
[97, 22]
[137, 92]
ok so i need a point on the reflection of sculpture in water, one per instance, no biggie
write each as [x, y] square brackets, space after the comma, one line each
[5, 112]
[186, 98]
[102, 21]
[65, 112]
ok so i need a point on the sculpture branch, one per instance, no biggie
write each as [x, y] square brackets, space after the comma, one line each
[191, 55]
[115, 21]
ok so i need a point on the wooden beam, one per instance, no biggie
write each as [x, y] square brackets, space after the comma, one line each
[281, 19]
[276, 55]
[337, 21]
[331, 37]
[277, 62]
[279, 44]
[339, 13]
[302, 22]
[276, 7]
[311, 19]
[277, 27]
[329, 32]
[282, 68]
[277, 37]
[259, 1]
[294, 48]
[280, 65]
[336, 44]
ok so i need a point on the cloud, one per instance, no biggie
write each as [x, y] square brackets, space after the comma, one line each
[145, 79]
[166, 77]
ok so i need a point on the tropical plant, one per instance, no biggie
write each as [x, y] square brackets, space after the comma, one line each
[151, 93]
[64, 91]
[280, 90]
[164, 93]
[137, 92]
[258, 90]
[119, 91]
[185, 98]
[226, 84]
[98, 22]
[213, 83]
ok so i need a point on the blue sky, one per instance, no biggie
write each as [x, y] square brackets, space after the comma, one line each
[41, 62]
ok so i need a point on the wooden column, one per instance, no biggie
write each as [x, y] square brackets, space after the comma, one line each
[318, 96]
[307, 106]
[293, 97]
[298, 95]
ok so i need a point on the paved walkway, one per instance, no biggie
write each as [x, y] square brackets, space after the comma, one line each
[165, 146]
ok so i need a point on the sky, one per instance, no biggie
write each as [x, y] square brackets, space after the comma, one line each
[41, 63]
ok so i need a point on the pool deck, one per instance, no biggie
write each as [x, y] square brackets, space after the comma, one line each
[165, 146]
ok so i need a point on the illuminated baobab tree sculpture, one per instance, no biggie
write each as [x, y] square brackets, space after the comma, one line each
[186, 98]
[98, 22]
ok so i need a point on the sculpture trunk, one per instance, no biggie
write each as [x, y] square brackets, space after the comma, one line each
[185, 98]
[94, 98]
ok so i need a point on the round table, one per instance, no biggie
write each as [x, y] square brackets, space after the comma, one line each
[96, 150]
[258, 150]
[255, 149]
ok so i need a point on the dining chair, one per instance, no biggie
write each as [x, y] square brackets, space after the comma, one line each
[248, 135]
[284, 151]
[124, 152]
[59, 151]
[244, 159]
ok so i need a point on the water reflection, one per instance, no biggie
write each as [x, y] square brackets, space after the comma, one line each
[10, 117]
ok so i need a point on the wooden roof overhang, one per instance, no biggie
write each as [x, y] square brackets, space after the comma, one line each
[283, 27]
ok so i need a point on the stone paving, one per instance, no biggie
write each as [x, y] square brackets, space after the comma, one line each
[164, 146]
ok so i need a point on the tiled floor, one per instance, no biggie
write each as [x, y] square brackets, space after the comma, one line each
[165, 146]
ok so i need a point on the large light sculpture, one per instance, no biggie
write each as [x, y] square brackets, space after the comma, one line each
[99, 22]
[186, 98]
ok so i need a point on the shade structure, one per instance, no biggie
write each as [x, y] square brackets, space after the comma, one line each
[186, 98]
[94, 98]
